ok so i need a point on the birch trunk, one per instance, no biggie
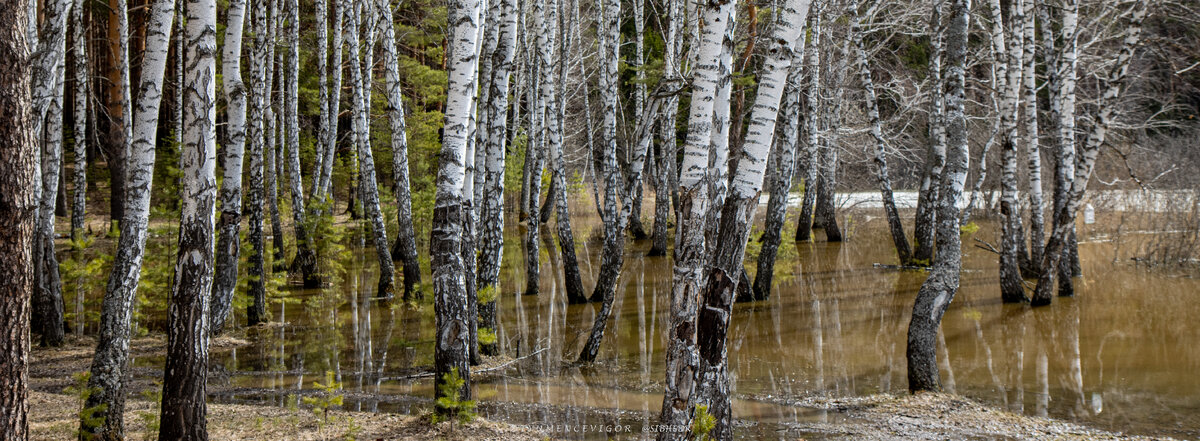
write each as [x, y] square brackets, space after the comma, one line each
[82, 78]
[666, 175]
[492, 202]
[737, 216]
[335, 101]
[273, 160]
[306, 259]
[1037, 221]
[555, 65]
[406, 245]
[256, 311]
[1008, 74]
[18, 213]
[924, 230]
[47, 125]
[228, 240]
[1064, 173]
[938, 290]
[683, 357]
[451, 350]
[639, 102]
[360, 86]
[116, 314]
[903, 250]
[1114, 86]
[787, 140]
[321, 18]
[813, 102]
[536, 155]
[186, 371]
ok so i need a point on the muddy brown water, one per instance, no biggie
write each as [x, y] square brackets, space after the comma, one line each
[1123, 355]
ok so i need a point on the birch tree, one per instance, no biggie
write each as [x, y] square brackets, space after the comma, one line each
[1065, 160]
[939, 289]
[683, 357]
[554, 65]
[18, 214]
[1037, 222]
[1064, 220]
[82, 79]
[47, 104]
[787, 140]
[405, 249]
[366, 161]
[737, 216]
[306, 259]
[814, 122]
[903, 250]
[924, 229]
[116, 313]
[665, 175]
[256, 311]
[450, 294]
[491, 204]
[184, 408]
[228, 241]
[1008, 75]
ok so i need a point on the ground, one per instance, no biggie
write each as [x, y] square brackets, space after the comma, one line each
[939, 416]
[926, 416]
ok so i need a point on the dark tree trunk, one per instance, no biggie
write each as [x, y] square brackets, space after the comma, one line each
[938, 290]
[826, 213]
[547, 209]
[18, 213]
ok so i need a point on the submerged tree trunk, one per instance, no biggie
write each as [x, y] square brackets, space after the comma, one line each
[228, 241]
[923, 225]
[1065, 166]
[18, 214]
[184, 399]
[405, 249]
[737, 216]
[665, 174]
[116, 314]
[683, 357]
[360, 86]
[938, 290]
[555, 66]
[451, 350]
[491, 207]
[1062, 235]
[306, 258]
[780, 183]
[1008, 74]
[813, 148]
[1037, 221]
[903, 250]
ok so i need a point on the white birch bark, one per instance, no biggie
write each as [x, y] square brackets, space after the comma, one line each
[1037, 222]
[228, 241]
[406, 246]
[682, 358]
[1064, 220]
[112, 348]
[492, 201]
[451, 350]
[259, 91]
[184, 413]
[82, 79]
[321, 17]
[368, 189]
[306, 259]
[737, 216]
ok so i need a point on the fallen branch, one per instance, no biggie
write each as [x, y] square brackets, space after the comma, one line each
[986, 246]
[493, 368]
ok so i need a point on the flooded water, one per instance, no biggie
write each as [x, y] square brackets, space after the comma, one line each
[1121, 356]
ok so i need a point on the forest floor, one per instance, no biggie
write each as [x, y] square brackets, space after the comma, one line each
[938, 416]
[53, 413]
[927, 416]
